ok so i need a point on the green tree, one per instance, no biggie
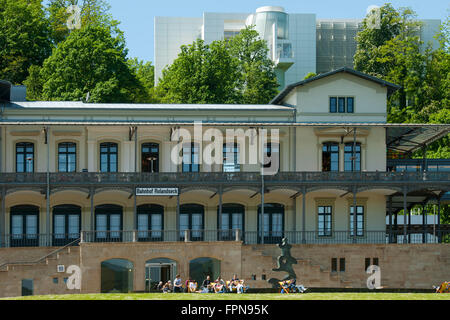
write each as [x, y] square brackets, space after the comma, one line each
[90, 61]
[201, 74]
[310, 75]
[145, 74]
[257, 83]
[24, 38]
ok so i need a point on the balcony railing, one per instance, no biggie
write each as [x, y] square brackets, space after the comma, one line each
[247, 237]
[86, 179]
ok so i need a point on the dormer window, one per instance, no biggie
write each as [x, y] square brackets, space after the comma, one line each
[342, 104]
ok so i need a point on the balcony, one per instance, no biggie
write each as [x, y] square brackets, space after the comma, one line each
[286, 179]
[248, 237]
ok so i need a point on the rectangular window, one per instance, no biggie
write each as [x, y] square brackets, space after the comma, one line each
[341, 104]
[350, 103]
[342, 264]
[349, 161]
[25, 157]
[359, 221]
[330, 157]
[333, 104]
[108, 157]
[67, 157]
[333, 264]
[366, 263]
[231, 158]
[191, 158]
[324, 220]
[27, 287]
[375, 261]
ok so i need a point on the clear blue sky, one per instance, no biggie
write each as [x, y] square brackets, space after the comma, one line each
[137, 16]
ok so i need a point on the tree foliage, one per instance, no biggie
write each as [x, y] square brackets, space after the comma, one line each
[24, 38]
[229, 71]
[90, 61]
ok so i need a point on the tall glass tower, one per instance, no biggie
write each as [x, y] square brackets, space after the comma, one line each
[272, 24]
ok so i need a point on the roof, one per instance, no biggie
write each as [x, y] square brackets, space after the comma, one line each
[77, 105]
[391, 86]
[411, 138]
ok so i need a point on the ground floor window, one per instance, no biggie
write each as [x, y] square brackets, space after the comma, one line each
[324, 224]
[117, 276]
[66, 224]
[150, 222]
[191, 218]
[359, 221]
[200, 268]
[232, 220]
[273, 227]
[108, 222]
[24, 225]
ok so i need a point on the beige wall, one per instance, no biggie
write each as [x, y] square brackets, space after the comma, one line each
[402, 266]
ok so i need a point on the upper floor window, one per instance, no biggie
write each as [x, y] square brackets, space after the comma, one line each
[231, 158]
[67, 157]
[108, 157]
[352, 163]
[150, 157]
[25, 157]
[330, 157]
[272, 151]
[342, 104]
[191, 157]
[359, 220]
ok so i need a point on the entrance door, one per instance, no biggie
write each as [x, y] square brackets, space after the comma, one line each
[157, 270]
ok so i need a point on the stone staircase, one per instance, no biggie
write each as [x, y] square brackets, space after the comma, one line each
[42, 270]
[309, 272]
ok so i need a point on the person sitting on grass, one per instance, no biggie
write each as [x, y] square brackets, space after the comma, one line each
[192, 286]
[232, 285]
[160, 286]
[186, 285]
[241, 288]
[177, 284]
[167, 287]
[219, 285]
[206, 285]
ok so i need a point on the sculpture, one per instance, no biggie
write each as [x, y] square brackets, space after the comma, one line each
[284, 262]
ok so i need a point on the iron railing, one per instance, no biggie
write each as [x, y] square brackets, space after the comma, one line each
[85, 179]
[38, 240]
[247, 237]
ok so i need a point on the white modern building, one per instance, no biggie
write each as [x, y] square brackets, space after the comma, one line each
[299, 43]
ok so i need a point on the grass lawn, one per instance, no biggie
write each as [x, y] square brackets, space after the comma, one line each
[250, 296]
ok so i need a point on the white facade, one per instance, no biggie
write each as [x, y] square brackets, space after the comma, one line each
[318, 45]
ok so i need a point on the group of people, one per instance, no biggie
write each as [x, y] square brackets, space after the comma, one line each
[290, 286]
[208, 286]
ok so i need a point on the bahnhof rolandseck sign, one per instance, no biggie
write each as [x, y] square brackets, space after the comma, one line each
[156, 191]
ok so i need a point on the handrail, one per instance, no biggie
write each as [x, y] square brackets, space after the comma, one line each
[40, 259]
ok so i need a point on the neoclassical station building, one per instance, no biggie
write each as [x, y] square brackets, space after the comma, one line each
[93, 190]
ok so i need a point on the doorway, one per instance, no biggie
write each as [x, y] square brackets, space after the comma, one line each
[156, 270]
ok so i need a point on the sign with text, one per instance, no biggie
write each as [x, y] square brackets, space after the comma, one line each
[156, 191]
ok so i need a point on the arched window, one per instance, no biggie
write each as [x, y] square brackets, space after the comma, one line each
[117, 276]
[200, 268]
[348, 157]
[66, 224]
[232, 219]
[24, 226]
[108, 223]
[273, 222]
[330, 156]
[67, 157]
[109, 157]
[25, 157]
[191, 218]
[150, 222]
[150, 157]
